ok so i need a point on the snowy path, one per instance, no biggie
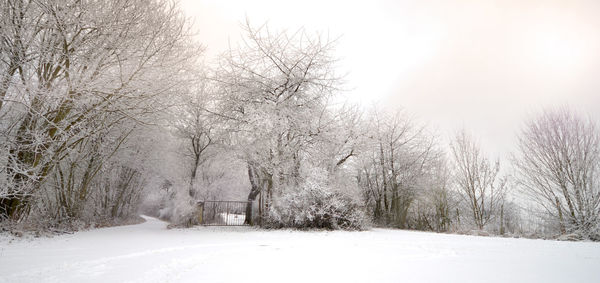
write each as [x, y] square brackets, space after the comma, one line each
[149, 252]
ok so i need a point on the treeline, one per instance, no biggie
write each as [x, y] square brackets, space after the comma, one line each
[107, 111]
[80, 83]
[313, 163]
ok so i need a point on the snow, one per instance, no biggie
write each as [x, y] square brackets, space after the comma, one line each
[233, 219]
[225, 218]
[148, 252]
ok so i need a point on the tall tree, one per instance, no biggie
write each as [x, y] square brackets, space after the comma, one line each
[558, 165]
[274, 89]
[477, 179]
[82, 68]
[198, 128]
[393, 166]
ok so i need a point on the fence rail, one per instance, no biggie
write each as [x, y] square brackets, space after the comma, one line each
[223, 213]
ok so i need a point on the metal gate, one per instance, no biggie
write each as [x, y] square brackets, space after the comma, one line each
[223, 213]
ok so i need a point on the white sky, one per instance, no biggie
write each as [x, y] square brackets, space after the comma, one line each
[485, 65]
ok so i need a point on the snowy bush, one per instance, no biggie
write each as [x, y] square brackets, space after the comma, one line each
[592, 234]
[315, 206]
[180, 209]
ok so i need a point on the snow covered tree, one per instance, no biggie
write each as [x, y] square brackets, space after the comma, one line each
[477, 179]
[273, 90]
[558, 166]
[341, 138]
[198, 128]
[393, 166]
[73, 71]
[436, 202]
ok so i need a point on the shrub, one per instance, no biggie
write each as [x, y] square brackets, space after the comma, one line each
[315, 206]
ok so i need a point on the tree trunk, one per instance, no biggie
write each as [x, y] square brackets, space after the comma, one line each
[502, 219]
[254, 191]
[560, 216]
[12, 206]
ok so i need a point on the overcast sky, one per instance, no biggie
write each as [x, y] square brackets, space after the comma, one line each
[484, 65]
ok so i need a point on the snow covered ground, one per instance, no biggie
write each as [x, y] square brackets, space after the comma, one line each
[233, 219]
[149, 252]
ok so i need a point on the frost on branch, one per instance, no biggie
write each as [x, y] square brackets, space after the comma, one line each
[315, 204]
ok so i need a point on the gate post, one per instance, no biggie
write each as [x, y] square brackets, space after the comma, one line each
[200, 212]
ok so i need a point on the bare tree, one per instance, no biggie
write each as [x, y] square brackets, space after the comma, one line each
[198, 128]
[436, 203]
[477, 179]
[558, 165]
[394, 165]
